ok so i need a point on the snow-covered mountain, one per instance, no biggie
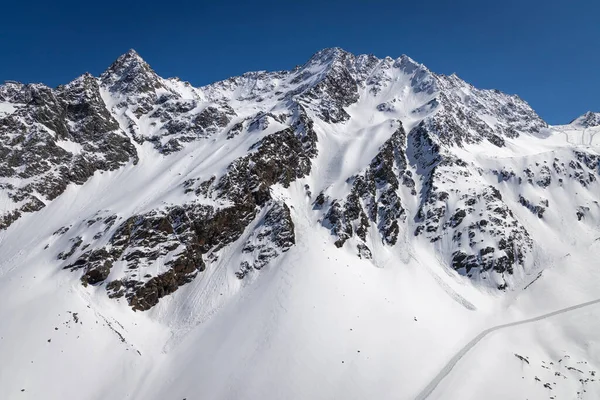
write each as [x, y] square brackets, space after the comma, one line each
[587, 120]
[352, 222]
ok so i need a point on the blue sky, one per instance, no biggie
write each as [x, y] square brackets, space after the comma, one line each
[545, 51]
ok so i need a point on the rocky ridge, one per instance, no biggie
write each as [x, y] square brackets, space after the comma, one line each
[51, 138]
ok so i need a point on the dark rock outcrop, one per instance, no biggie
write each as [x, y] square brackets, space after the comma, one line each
[54, 138]
[374, 197]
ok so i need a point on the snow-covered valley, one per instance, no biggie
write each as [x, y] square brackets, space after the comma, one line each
[354, 228]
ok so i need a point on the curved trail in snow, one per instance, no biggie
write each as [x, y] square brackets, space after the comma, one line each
[454, 360]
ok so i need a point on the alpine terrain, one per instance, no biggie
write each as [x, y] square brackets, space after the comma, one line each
[356, 228]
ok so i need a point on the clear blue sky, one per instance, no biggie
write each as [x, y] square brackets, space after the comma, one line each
[546, 51]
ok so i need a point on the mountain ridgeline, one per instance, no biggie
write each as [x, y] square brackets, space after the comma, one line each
[385, 153]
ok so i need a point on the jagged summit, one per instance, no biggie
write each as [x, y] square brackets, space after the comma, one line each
[330, 53]
[588, 120]
[130, 57]
[130, 74]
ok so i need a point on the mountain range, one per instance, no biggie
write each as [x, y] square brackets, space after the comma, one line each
[339, 230]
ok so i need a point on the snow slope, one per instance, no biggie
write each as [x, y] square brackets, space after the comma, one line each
[353, 228]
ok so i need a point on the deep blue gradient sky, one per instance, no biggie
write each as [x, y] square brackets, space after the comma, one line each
[548, 52]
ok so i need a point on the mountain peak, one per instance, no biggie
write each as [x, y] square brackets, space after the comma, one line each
[330, 52]
[129, 59]
[131, 55]
[132, 52]
[329, 56]
[130, 73]
[587, 120]
[409, 65]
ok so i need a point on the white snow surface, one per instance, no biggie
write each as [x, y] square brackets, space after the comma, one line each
[318, 322]
[6, 108]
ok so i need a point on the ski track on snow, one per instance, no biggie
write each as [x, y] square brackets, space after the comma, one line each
[430, 388]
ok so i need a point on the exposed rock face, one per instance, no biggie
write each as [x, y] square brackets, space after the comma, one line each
[464, 108]
[273, 235]
[53, 138]
[374, 197]
[448, 210]
[278, 158]
[141, 97]
[132, 80]
[175, 238]
[178, 237]
[536, 209]
[262, 131]
[588, 120]
[579, 166]
[582, 211]
[336, 89]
